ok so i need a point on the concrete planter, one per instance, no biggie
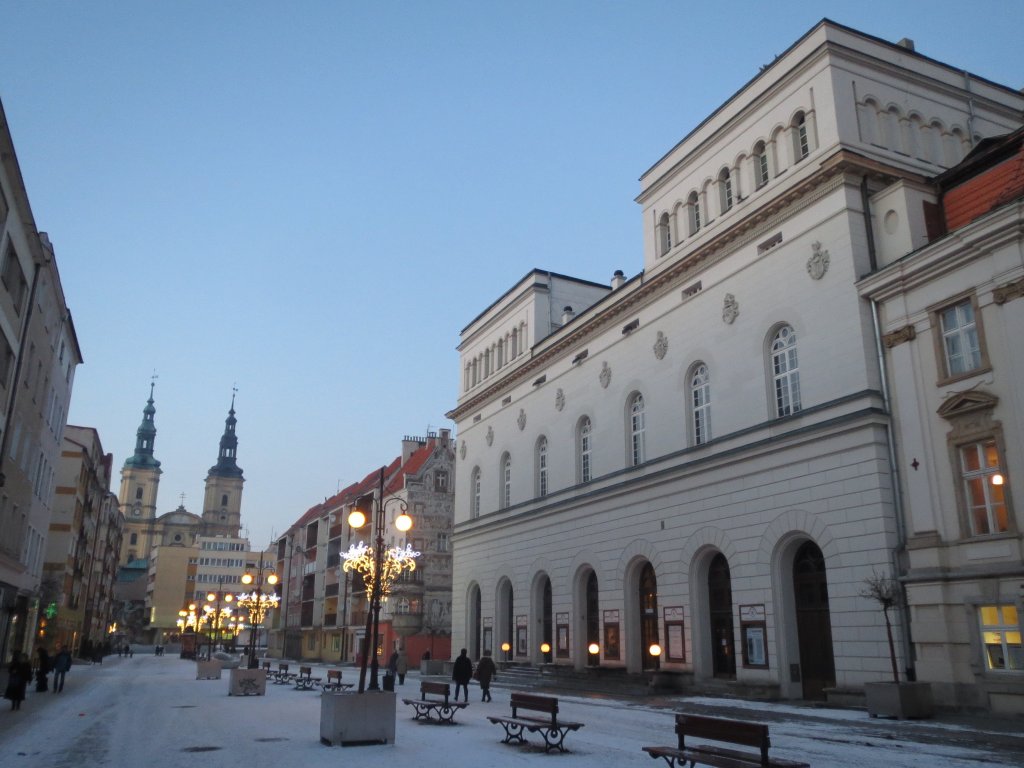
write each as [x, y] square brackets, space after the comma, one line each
[247, 682]
[351, 719]
[208, 670]
[899, 700]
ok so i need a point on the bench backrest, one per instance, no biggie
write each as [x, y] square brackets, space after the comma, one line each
[266, 665]
[282, 667]
[536, 703]
[305, 671]
[333, 675]
[435, 689]
[726, 731]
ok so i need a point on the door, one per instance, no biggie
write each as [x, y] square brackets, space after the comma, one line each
[814, 626]
[648, 617]
[723, 651]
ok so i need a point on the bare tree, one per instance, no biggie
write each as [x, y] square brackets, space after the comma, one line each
[886, 592]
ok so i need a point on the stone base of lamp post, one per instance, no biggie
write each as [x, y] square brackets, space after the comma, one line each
[351, 719]
[247, 682]
[208, 670]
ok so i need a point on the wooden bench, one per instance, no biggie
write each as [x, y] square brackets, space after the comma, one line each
[281, 675]
[725, 732]
[551, 728]
[439, 703]
[304, 681]
[334, 681]
[266, 668]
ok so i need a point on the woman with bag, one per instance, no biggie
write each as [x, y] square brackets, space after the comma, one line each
[19, 672]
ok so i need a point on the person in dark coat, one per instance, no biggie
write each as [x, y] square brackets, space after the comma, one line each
[485, 672]
[402, 666]
[61, 666]
[462, 673]
[19, 672]
[42, 670]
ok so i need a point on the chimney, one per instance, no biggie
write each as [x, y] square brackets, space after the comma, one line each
[444, 436]
[907, 43]
[618, 279]
[567, 314]
[410, 445]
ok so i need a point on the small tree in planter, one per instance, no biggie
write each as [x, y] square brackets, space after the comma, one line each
[895, 699]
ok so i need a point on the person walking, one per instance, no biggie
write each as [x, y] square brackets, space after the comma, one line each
[61, 666]
[42, 670]
[19, 672]
[462, 672]
[402, 666]
[485, 672]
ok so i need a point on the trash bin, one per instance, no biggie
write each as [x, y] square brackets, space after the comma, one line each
[389, 682]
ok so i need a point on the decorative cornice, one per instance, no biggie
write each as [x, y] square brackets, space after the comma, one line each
[1008, 292]
[967, 402]
[897, 337]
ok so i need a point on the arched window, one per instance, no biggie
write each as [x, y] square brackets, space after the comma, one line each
[506, 481]
[801, 141]
[664, 235]
[761, 174]
[693, 212]
[636, 430]
[700, 401]
[542, 466]
[474, 493]
[138, 492]
[725, 189]
[585, 450]
[224, 500]
[785, 372]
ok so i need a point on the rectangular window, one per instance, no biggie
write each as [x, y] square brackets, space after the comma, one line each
[983, 487]
[762, 169]
[6, 361]
[13, 278]
[1001, 638]
[960, 343]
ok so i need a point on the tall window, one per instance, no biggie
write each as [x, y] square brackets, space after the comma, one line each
[585, 450]
[983, 487]
[636, 430]
[960, 344]
[506, 481]
[801, 142]
[725, 189]
[542, 466]
[693, 212]
[13, 278]
[1001, 637]
[664, 235]
[760, 165]
[474, 490]
[700, 399]
[785, 372]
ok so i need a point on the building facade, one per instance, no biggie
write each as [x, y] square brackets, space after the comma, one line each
[39, 353]
[691, 472]
[948, 297]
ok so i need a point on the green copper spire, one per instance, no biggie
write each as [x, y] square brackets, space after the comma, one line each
[226, 466]
[145, 438]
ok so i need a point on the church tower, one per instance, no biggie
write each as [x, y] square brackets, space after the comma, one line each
[140, 478]
[223, 502]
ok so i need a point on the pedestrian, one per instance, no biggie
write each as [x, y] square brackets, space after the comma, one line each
[393, 662]
[61, 666]
[485, 672]
[462, 672]
[402, 666]
[19, 672]
[42, 669]
[131, 652]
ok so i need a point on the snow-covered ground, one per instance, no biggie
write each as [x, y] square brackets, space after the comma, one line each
[151, 710]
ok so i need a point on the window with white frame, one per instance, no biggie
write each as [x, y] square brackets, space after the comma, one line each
[760, 165]
[725, 189]
[585, 449]
[785, 372]
[542, 466]
[636, 430]
[700, 400]
[961, 346]
[474, 491]
[506, 481]
[444, 541]
[801, 141]
[983, 487]
[13, 278]
[1001, 637]
[664, 235]
[693, 212]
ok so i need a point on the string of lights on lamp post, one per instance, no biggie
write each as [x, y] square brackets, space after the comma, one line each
[257, 603]
[216, 617]
[379, 568]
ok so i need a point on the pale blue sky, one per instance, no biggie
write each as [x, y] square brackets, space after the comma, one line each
[312, 199]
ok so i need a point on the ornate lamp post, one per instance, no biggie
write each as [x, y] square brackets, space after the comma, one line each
[215, 616]
[378, 568]
[188, 621]
[257, 603]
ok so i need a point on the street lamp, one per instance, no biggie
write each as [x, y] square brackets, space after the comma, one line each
[216, 616]
[378, 568]
[257, 603]
[188, 621]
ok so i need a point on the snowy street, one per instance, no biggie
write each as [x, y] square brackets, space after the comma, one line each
[151, 709]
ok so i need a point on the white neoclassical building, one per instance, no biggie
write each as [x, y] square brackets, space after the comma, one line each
[701, 457]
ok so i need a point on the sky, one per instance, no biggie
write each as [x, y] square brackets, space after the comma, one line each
[308, 201]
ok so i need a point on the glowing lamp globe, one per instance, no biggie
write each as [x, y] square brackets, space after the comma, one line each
[654, 650]
[593, 648]
[356, 518]
[545, 647]
[403, 522]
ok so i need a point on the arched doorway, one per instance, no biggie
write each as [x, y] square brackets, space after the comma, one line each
[503, 618]
[813, 622]
[593, 636]
[648, 599]
[475, 623]
[723, 649]
[541, 623]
